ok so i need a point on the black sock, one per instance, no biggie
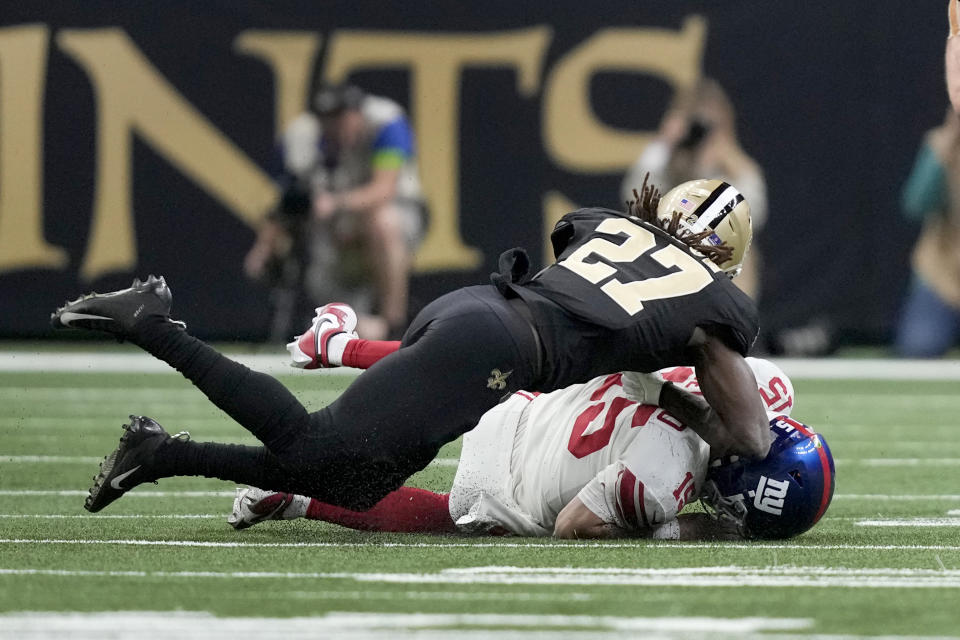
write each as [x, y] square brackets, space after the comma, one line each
[242, 464]
[253, 466]
[258, 402]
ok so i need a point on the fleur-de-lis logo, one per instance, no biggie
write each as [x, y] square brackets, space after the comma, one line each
[498, 379]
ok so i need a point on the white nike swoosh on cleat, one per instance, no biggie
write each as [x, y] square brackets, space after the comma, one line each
[115, 483]
[69, 316]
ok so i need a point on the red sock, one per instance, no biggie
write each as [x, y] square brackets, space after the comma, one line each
[406, 510]
[363, 353]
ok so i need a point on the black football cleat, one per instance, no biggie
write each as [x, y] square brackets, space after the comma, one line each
[131, 463]
[117, 312]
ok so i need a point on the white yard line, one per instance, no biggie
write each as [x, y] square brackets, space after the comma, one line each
[843, 430]
[581, 544]
[900, 462]
[872, 369]
[728, 576]
[470, 596]
[139, 362]
[910, 522]
[278, 363]
[188, 625]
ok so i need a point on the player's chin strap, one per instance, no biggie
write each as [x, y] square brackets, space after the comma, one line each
[724, 509]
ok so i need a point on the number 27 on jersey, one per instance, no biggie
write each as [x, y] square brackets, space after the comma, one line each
[690, 277]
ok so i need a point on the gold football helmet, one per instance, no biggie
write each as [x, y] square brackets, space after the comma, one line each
[714, 209]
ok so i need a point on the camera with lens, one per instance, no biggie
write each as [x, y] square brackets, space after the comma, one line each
[295, 198]
[696, 134]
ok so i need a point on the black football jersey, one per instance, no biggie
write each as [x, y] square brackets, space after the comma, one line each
[642, 287]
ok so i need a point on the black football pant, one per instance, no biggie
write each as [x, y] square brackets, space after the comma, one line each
[462, 354]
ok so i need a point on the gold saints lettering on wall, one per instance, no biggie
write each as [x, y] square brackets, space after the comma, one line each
[23, 57]
[436, 61]
[132, 97]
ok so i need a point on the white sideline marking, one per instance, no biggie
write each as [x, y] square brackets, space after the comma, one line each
[854, 400]
[729, 576]
[116, 402]
[141, 362]
[899, 462]
[472, 596]
[898, 444]
[842, 430]
[580, 544]
[872, 369]
[910, 522]
[790, 577]
[688, 624]
[278, 363]
[165, 625]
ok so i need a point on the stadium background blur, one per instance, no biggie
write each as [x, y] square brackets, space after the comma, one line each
[136, 138]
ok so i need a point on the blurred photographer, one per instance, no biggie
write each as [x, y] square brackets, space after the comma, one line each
[930, 319]
[697, 139]
[349, 218]
[952, 54]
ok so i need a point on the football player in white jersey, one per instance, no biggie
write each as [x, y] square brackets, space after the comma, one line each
[593, 460]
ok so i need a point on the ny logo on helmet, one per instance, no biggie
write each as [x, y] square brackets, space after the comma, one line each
[770, 495]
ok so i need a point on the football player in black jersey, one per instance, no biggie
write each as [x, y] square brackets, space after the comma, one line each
[639, 290]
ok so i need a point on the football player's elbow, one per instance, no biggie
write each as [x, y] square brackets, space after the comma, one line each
[565, 527]
[577, 522]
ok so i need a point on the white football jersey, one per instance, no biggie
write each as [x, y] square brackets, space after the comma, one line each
[633, 465]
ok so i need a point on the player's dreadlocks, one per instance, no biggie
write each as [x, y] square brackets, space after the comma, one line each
[645, 208]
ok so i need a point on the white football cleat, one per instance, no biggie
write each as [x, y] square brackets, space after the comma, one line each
[312, 349]
[252, 506]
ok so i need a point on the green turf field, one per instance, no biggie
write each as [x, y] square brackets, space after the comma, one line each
[885, 560]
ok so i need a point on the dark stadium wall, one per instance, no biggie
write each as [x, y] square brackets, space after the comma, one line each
[135, 138]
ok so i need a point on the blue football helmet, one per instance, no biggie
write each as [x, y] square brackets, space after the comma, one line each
[780, 496]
